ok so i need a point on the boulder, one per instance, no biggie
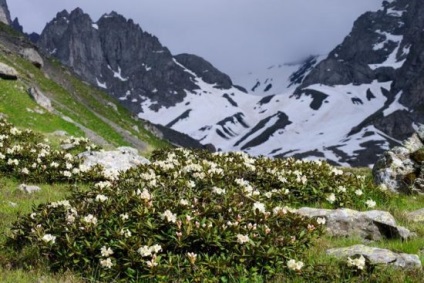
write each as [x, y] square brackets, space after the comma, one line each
[40, 98]
[33, 56]
[416, 216]
[369, 225]
[378, 256]
[121, 159]
[28, 188]
[401, 168]
[7, 72]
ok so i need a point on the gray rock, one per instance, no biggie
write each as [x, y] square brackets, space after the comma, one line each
[40, 98]
[420, 133]
[60, 133]
[33, 56]
[7, 72]
[29, 188]
[113, 106]
[369, 225]
[416, 216]
[4, 13]
[121, 159]
[378, 256]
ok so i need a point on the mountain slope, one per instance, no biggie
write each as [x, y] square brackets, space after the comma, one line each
[77, 108]
[349, 107]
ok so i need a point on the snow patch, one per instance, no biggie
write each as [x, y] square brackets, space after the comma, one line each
[100, 84]
[117, 74]
[395, 106]
[95, 26]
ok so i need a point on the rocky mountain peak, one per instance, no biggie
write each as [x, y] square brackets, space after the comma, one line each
[4, 13]
[116, 54]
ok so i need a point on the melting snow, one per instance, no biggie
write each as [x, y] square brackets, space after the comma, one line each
[99, 84]
[95, 26]
[117, 74]
[395, 106]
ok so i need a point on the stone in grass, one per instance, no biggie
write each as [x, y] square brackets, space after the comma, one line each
[29, 188]
[7, 72]
[378, 256]
[370, 225]
[416, 216]
[121, 159]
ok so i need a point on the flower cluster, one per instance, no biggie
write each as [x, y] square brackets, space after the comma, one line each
[181, 212]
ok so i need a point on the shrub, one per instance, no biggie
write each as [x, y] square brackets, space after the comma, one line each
[190, 216]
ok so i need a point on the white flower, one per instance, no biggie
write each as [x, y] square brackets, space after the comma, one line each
[358, 192]
[144, 195]
[295, 265]
[101, 198]
[155, 248]
[370, 203]
[192, 257]
[241, 239]
[259, 206]
[341, 189]
[383, 187]
[49, 238]
[126, 233]
[67, 174]
[218, 191]
[170, 217]
[25, 171]
[124, 216]
[101, 185]
[106, 251]
[331, 198]
[90, 219]
[336, 171]
[184, 202]
[106, 262]
[144, 251]
[54, 164]
[321, 220]
[359, 263]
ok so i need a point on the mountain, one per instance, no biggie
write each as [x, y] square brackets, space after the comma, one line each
[39, 93]
[347, 107]
[34, 37]
[4, 13]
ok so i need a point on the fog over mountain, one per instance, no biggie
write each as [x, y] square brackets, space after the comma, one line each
[237, 36]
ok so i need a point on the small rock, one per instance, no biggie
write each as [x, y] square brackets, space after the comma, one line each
[60, 133]
[7, 72]
[416, 216]
[28, 188]
[121, 159]
[13, 204]
[40, 98]
[370, 225]
[113, 106]
[378, 256]
[33, 56]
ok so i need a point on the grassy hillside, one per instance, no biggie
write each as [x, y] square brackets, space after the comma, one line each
[93, 112]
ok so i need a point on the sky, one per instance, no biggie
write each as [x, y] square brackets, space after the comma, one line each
[236, 36]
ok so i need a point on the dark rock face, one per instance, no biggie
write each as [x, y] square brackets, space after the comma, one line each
[397, 30]
[18, 27]
[205, 70]
[4, 13]
[132, 65]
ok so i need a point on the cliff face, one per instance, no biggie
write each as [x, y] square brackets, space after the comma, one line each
[130, 64]
[4, 13]
[383, 46]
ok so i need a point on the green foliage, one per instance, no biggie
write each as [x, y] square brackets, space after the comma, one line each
[189, 216]
[24, 156]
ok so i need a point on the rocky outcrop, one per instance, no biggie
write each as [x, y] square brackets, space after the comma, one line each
[205, 70]
[121, 159]
[369, 225]
[383, 46]
[40, 98]
[415, 216]
[7, 72]
[33, 56]
[4, 13]
[117, 55]
[378, 256]
[401, 169]
[18, 27]
[29, 189]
